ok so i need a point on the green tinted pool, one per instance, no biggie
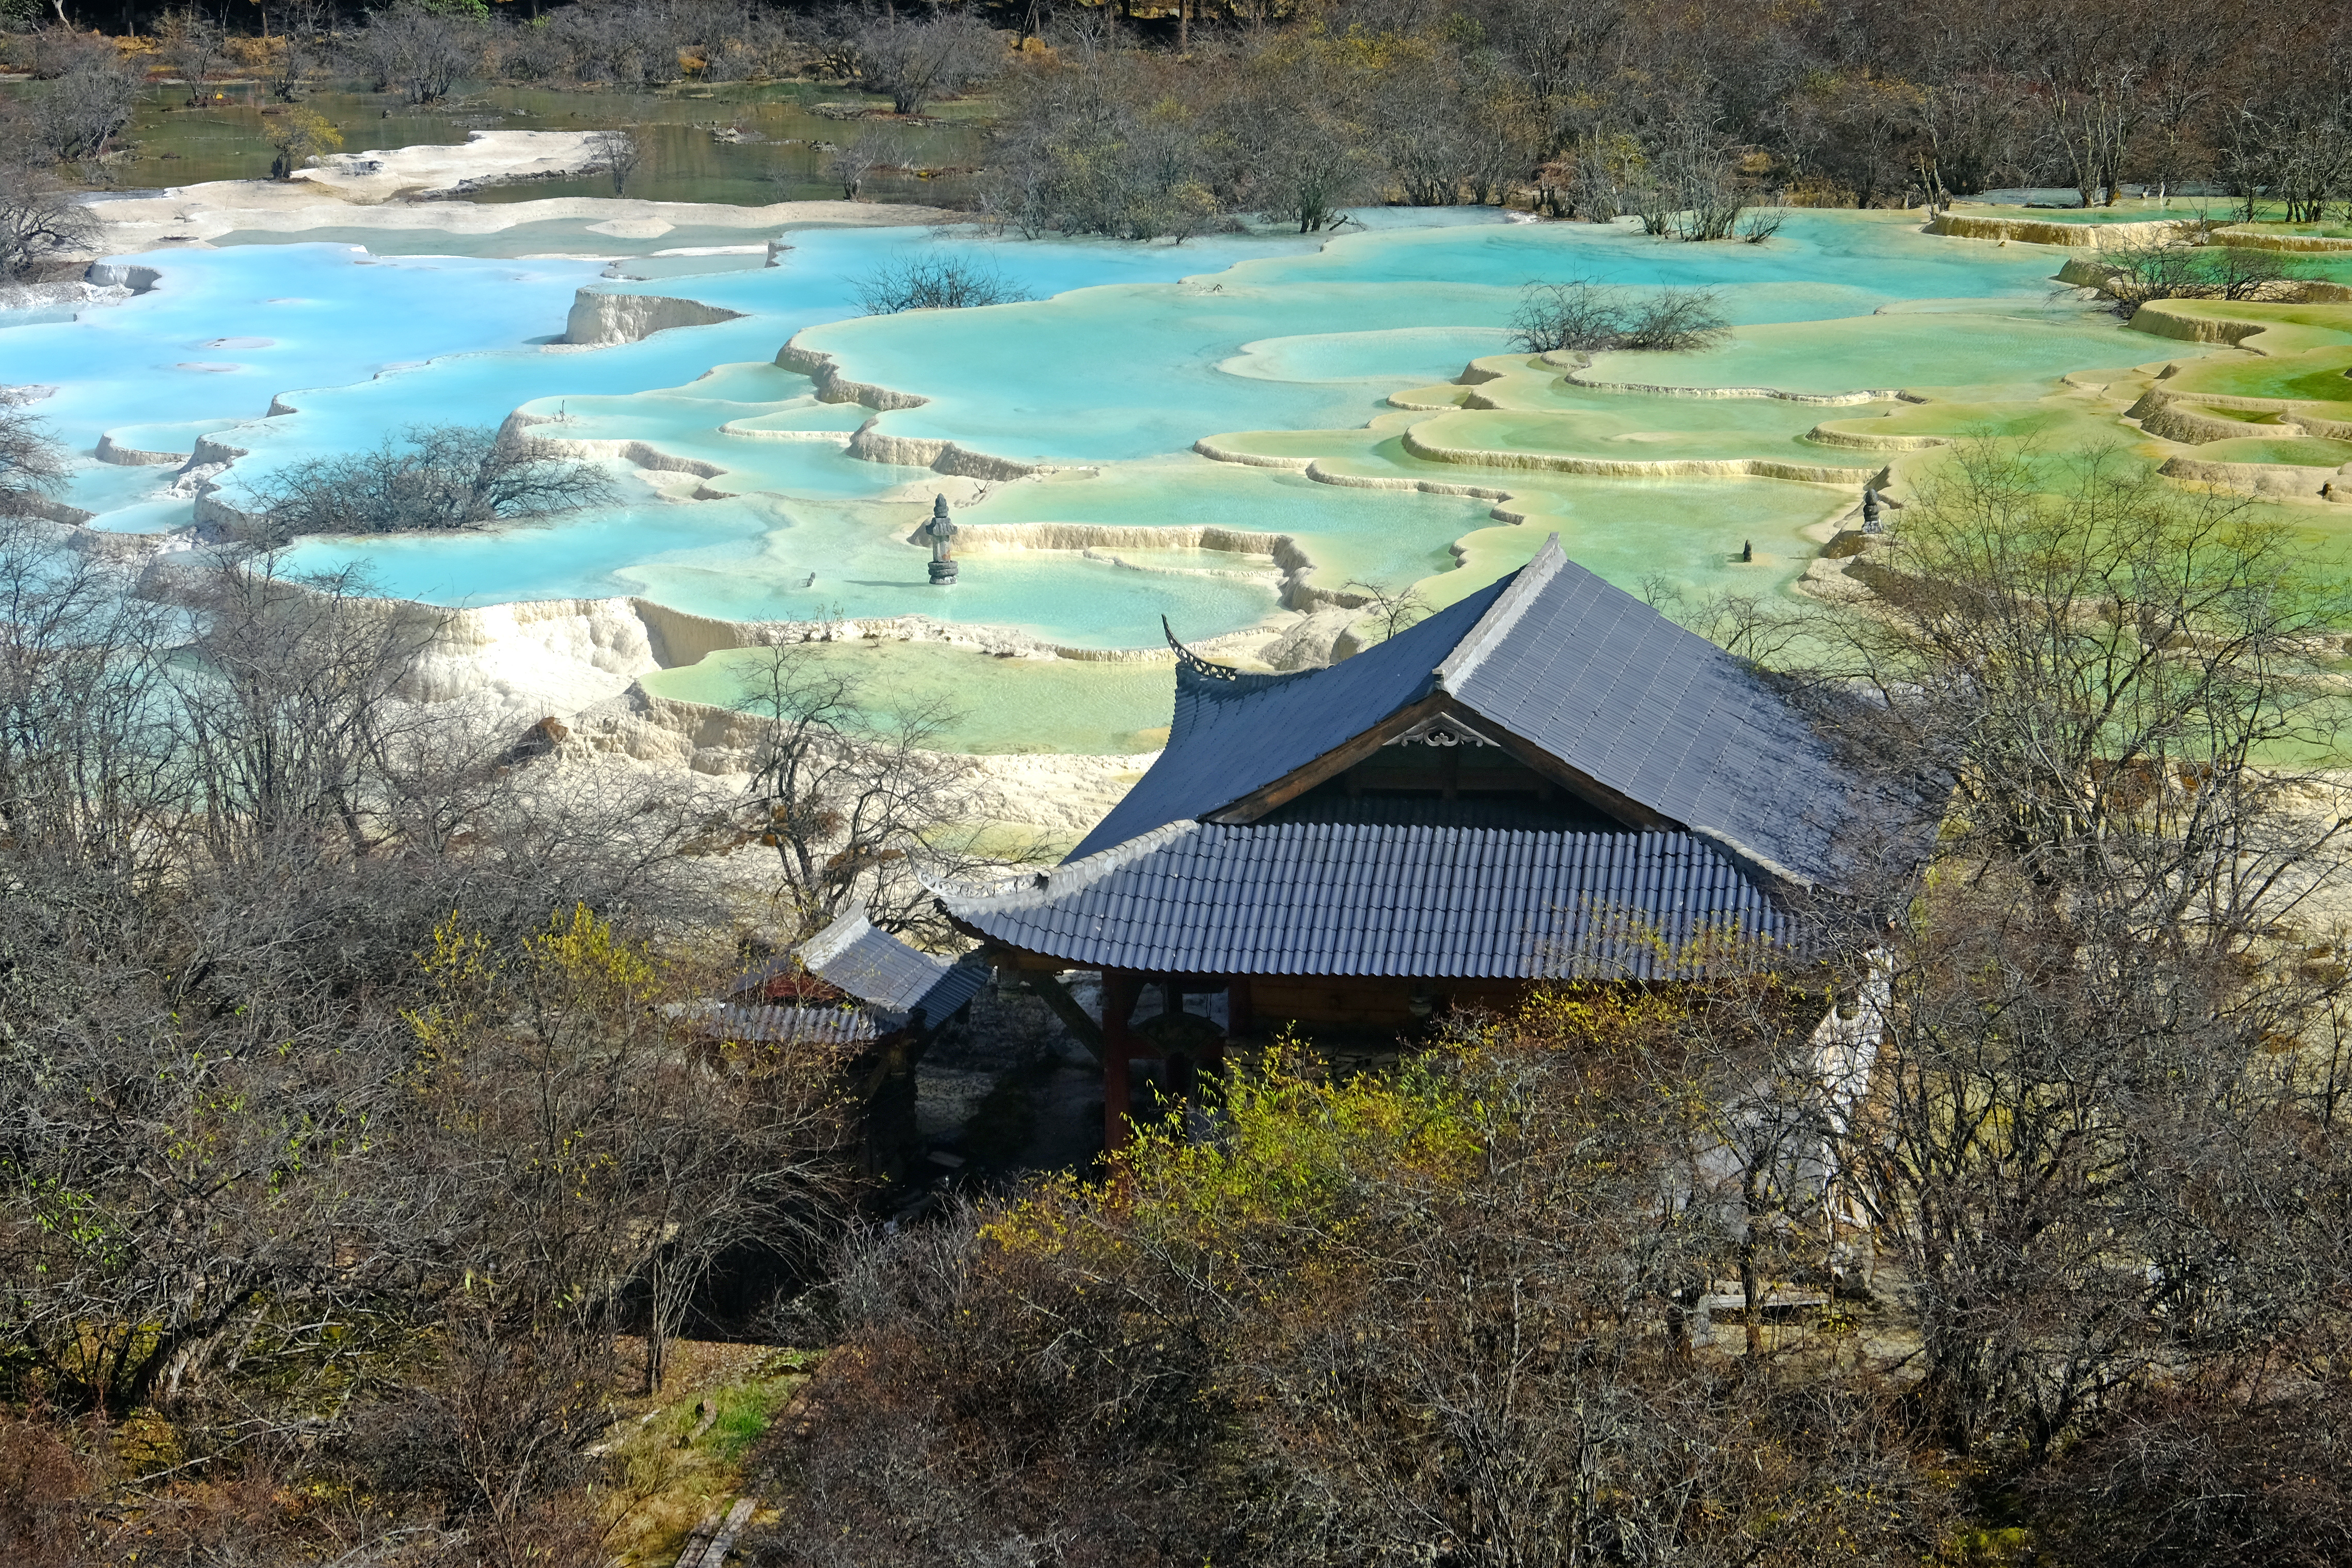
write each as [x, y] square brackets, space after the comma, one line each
[1070, 706]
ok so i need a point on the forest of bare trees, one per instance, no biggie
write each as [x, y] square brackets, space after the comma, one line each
[1143, 124]
[342, 1106]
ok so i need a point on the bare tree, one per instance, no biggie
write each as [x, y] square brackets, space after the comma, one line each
[1426, 133]
[192, 43]
[1393, 611]
[617, 153]
[422, 51]
[495, 1441]
[1606, 173]
[620, 41]
[917, 60]
[32, 461]
[2092, 94]
[136, 956]
[1303, 143]
[1116, 142]
[88, 777]
[225, 837]
[1676, 321]
[2186, 45]
[856, 793]
[2180, 268]
[1757, 628]
[436, 476]
[935, 280]
[1577, 315]
[617, 1151]
[75, 117]
[1583, 315]
[744, 42]
[2115, 997]
[874, 147]
[2102, 684]
[304, 45]
[1972, 134]
[2293, 144]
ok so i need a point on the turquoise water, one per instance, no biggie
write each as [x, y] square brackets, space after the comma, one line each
[1123, 359]
[1073, 706]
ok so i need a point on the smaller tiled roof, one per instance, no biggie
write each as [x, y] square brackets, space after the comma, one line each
[890, 977]
[1317, 898]
[841, 1026]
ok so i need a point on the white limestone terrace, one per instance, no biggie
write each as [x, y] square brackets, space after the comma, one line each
[1070, 425]
[484, 157]
[402, 189]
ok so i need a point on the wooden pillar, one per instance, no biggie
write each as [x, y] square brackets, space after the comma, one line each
[1238, 1025]
[1120, 989]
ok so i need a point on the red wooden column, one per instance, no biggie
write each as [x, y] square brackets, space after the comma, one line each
[1239, 1023]
[1120, 989]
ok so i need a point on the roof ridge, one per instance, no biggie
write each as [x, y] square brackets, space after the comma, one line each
[1070, 876]
[1527, 585]
[830, 943]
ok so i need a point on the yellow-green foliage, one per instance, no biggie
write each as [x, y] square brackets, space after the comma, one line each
[1299, 1151]
[585, 951]
[577, 954]
[1449, 1304]
[300, 135]
[1294, 1145]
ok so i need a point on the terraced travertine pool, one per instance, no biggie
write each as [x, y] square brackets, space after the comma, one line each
[1215, 433]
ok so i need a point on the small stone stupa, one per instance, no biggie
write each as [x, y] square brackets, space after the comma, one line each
[941, 532]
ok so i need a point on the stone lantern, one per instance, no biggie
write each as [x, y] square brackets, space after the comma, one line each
[941, 532]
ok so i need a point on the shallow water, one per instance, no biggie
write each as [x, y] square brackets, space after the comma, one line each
[176, 144]
[1273, 351]
[1071, 707]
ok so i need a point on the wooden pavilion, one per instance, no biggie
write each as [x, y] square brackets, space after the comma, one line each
[1548, 780]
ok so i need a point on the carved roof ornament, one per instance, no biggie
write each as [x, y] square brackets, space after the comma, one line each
[1442, 730]
[1193, 662]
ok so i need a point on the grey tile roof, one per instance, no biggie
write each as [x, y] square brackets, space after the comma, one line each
[872, 966]
[1230, 736]
[958, 986]
[1358, 899]
[845, 1026]
[1654, 712]
[1564, 662]
[890, 977]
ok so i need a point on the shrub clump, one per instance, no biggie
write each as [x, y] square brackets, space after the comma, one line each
[951, 280]
[433, 478]
[2180, 267]
[1585, 316]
